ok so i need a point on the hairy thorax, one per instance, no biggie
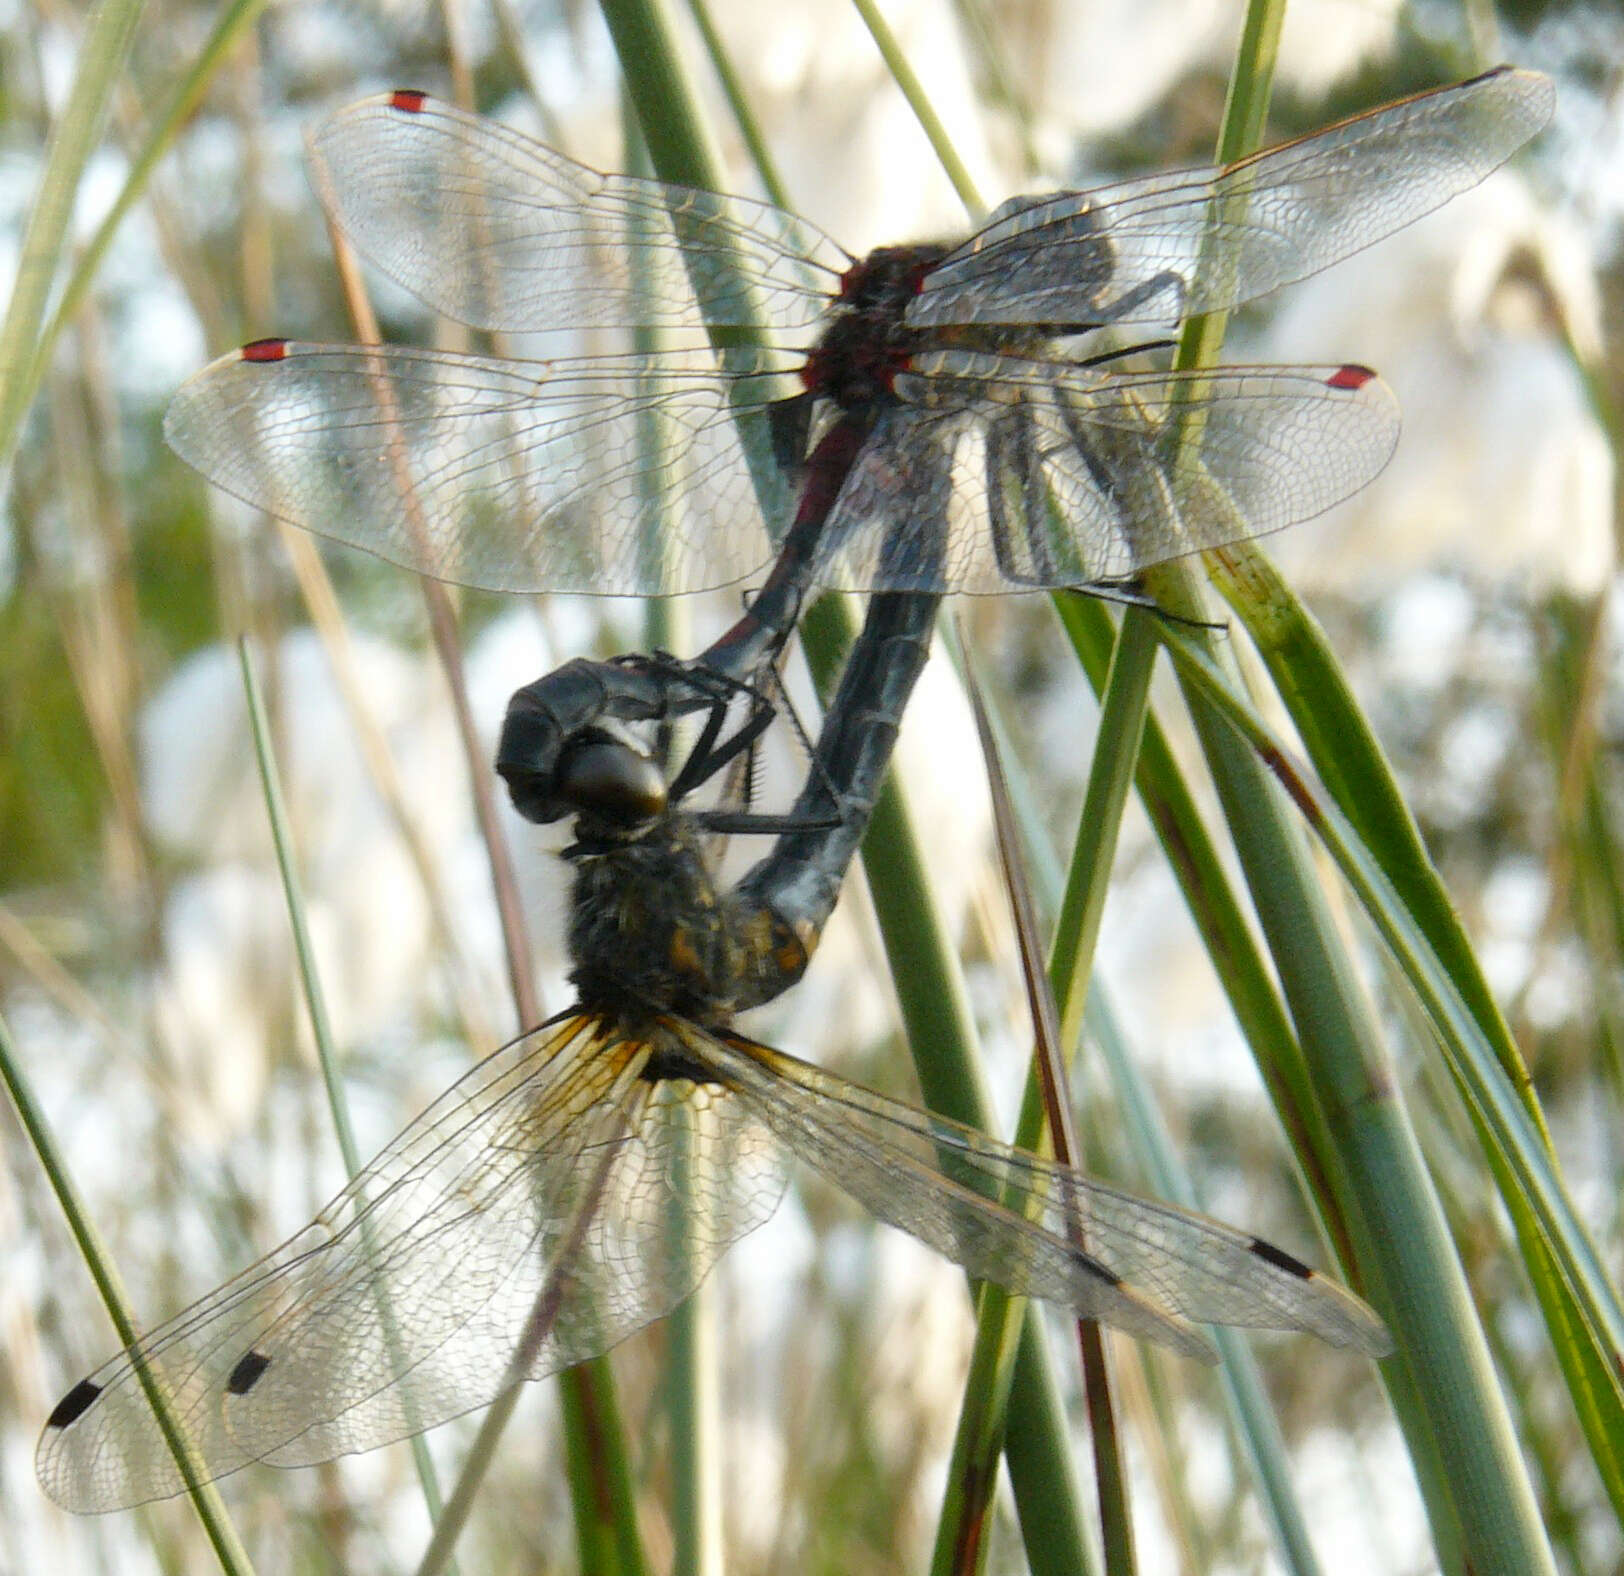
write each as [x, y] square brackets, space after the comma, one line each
[652, 933]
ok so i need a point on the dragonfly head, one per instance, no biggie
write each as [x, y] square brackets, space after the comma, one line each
[562, 751]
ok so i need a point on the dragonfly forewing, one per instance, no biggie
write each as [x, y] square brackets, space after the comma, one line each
[506, 475]
[1204, 240]
[552, 1174]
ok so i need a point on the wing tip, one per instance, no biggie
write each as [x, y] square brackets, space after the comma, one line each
[1349, 1321]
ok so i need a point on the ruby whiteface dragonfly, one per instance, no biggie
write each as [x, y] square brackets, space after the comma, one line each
[629, 468]
[582, 1180]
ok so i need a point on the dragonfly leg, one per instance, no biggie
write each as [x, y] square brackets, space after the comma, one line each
[1130, 301]
[1025, 548]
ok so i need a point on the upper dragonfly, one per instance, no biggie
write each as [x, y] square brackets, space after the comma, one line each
[673, 467]
[581, 1181]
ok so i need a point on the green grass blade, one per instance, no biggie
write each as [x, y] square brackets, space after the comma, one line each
[902, 73]
[316, 1005]
[227, 31]
[1124, 706]
[1226, 933]
[109, 36]
[1351, 763]
[936, 1015]
[205, 1497]
[1452, 1411]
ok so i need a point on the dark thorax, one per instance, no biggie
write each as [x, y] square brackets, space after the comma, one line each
[652, 932]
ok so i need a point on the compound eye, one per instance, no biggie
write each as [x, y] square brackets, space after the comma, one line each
[611, 780]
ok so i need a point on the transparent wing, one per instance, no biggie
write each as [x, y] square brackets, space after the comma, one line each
[496, 230]
[602, 475]
[1038, 1228]
[1161, 249]
[551, 1176]
[1050, 475]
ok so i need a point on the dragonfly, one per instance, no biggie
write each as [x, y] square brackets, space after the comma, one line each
[993, 365]
[581, 1181]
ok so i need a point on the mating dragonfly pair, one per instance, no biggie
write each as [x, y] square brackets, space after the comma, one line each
[957, 422]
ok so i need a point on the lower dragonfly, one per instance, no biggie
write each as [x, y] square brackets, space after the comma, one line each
[581, 1181]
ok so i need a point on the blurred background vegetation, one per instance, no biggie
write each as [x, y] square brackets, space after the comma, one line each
[145, 970]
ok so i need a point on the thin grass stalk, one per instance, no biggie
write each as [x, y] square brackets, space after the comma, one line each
[1000, 85]
[902, 73]
[447, 645]
[1049, 1060]
[980, 1437]
[1584, 868]
[693, 1388]
[108, 39]
[93, 612]
[113, 604]
[1124, 704]
[1116, 750]
[1153, 1394]
[1582, 695]
[322, 606]
[454, 18]
[41, 967]
[923, 965]
[320, 1026]
[599, 1462]
[205, 1496]
[321, 1030]
[608, 1550]
[183, 102]
[1226, 933]
[692, 1380]
[514, 44]
[1257, 1425]
[744, 116]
